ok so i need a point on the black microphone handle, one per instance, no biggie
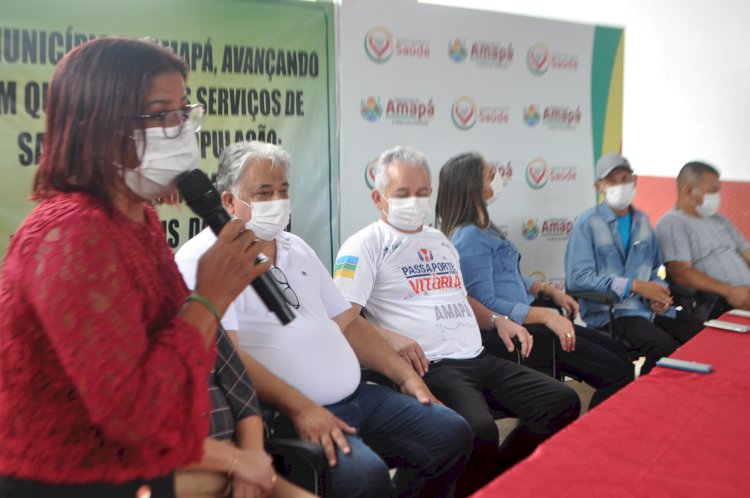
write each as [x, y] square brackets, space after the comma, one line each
[270, 293]
[203, 198]
[264, 284]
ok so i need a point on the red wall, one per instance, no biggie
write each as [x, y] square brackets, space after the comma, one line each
[656, 195]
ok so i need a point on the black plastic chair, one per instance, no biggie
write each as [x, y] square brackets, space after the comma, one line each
[607, 298]
[300, 462]
[701, 305]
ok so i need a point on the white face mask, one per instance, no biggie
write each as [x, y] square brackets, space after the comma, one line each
[269, 217]
[710, 205]
[162, 160]
[408, 214]
[619, 197]
[496, 185]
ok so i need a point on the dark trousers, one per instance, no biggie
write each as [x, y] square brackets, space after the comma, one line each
[162, 487]
[427, 444]
[476, 387]
[656, 339]
[597, 360]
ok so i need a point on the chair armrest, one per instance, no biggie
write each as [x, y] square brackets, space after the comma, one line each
[298, 449]
[678, 290]
[599, 297]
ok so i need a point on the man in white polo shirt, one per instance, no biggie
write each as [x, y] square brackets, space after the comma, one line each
[408, 279]
[310, 368]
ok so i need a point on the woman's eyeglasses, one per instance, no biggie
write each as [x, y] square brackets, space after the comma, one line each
[172, 122]
[286, 289]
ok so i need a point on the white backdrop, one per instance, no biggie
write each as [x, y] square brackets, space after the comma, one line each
[446, 81]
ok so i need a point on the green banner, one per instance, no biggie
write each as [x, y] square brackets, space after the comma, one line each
[264, 69]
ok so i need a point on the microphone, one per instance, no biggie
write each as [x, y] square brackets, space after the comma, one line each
[204, 200]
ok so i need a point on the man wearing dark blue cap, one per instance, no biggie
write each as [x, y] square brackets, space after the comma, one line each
[612, 247]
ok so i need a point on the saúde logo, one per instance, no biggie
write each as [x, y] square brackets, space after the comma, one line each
[465, 113]
[539, 173]
[380, 46]
[539, 59]
[493, 115]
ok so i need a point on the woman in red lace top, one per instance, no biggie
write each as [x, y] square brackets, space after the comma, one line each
[104, 359]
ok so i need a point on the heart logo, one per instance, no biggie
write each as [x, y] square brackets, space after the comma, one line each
[538, 59]
[464, 113]
[370, 173]
[379, 44]
[537, 173]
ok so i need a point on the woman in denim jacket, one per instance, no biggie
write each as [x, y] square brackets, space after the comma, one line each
[490, 267]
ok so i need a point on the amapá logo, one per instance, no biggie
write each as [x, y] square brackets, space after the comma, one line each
[379, 44]
[538, 58]
[556, 117]
[464, 113]
[531, 115]
[457, 50]
[537, 173]
[561, 117]
[556, 229]
[491, 54]
[409, 110]
[370, 109]
[529, 229]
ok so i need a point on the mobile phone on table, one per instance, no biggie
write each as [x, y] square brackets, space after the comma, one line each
[690, 366]
[731, 326]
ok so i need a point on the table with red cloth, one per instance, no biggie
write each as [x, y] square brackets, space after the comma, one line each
[670, 433]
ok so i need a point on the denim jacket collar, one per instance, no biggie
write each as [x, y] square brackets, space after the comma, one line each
[611, 218]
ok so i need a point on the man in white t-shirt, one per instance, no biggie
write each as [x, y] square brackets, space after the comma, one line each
[407, 278]
[310, 369]
[702, 249]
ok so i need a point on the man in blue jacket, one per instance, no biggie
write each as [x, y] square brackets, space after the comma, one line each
[612, 247]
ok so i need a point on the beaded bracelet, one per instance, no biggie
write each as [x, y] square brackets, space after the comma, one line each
[205, 302]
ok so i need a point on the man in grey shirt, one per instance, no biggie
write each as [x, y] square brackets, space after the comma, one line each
[701, 248]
